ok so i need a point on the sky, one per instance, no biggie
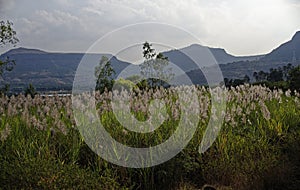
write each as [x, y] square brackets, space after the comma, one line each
[242, 27]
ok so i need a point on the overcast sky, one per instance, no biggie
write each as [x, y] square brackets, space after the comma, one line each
[242, 27]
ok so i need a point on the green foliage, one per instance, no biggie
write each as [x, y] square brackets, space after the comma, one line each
[295, 79]
[104, 74]
[37, 159]
[134, 78]
[123, 84]
[275, 75]
[30, 90]
[283, 85]
[258, 146]
[283, 78]
[144, 84]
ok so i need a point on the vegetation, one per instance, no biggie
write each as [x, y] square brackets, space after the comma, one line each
[7, 36]
[30, 90]
[236, 82]
[7, 33]
[294, 78]
[155, 68]
[104, 74]
[285, 78]
[275, 75]
[257, 148]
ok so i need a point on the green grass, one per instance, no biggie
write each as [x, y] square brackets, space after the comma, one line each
[41, 148]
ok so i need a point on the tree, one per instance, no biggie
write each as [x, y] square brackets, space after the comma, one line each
[7, 36]
[148, 52]
[104, 74]
[147, 66]
[286, 71]
[236, 82]
[7, 33]
[294, 75]
[30, 90]
[246, 79]
[155, 67]
[275, 75]
[260, 76]
[134, 78]
[255, 75]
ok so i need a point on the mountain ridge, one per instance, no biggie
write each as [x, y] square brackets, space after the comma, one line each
[23, 50]
[220, 53]
[56, 70]
[288, 51]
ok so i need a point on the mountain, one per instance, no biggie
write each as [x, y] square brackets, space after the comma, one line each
[48, 71]
[180, 58]
[56, 71]
[22, 50]
[287, 52]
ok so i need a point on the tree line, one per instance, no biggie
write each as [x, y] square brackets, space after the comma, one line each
[286, 77]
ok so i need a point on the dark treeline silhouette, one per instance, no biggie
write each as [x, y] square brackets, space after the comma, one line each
[286, 77]
[275, 75]
[236, 82]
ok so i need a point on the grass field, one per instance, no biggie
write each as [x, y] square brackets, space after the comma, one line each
[258, 146]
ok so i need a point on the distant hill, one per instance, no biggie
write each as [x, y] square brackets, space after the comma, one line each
[56, 71]
[179, 58]
[22, 50]
[223, 57]
[47, 71]
[288, 52]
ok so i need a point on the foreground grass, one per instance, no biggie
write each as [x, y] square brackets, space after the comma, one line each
[257, 148]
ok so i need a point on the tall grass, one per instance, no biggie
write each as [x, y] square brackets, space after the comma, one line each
[258, 146]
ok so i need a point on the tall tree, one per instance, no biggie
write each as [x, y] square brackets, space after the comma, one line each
[104, 74]
[155, 67]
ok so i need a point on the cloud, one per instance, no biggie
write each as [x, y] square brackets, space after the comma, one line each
[242, 27]
[57, 18]
[51, 30]
[5, 6]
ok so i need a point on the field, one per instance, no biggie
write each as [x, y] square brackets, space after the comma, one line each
[258, 146]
